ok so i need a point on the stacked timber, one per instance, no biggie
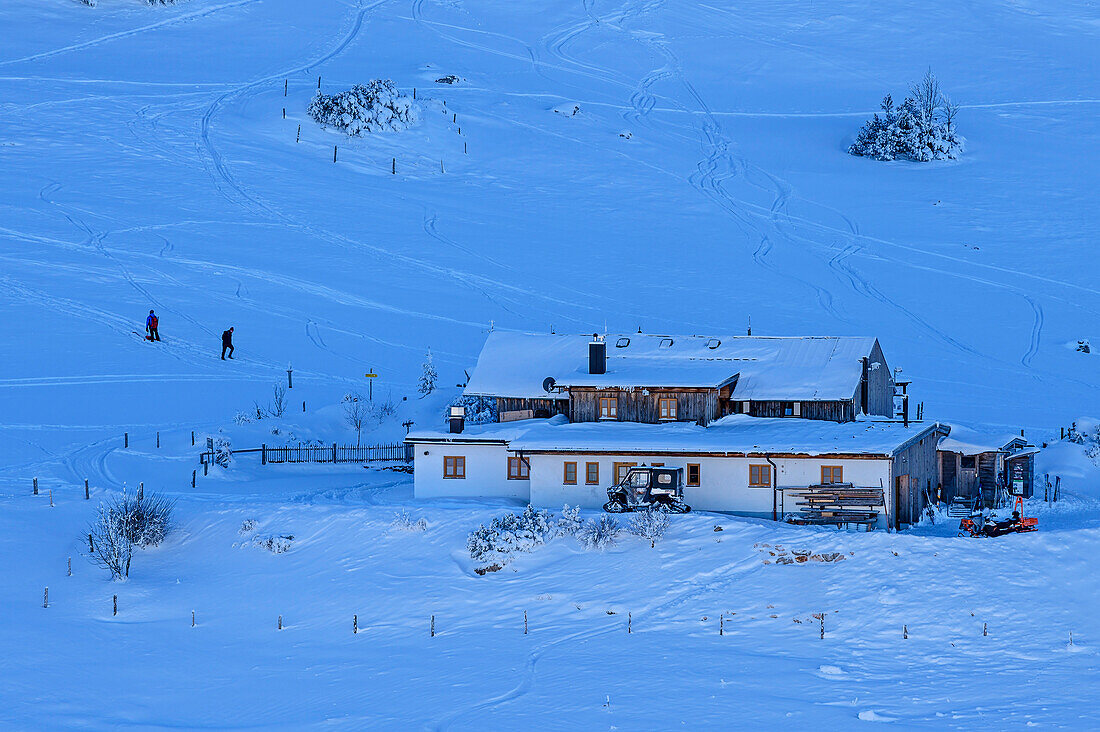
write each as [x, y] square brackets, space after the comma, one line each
[837, 503]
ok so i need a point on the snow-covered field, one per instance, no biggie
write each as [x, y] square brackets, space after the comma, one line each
[145, 163]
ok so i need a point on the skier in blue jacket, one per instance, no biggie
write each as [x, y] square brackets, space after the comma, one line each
[151, 327]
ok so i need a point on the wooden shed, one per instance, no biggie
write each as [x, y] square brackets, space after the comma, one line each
[977, 465]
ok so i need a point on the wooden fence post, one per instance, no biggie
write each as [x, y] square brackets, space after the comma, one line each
[87, 493]
[36, 486]
[334, 153]
[125, 439]
[141, 490]
[193, 472]
[298, 137]
[393, 169]
[303, 405]
[985, 629]
[286, 85]
[158, 439]
[46, 598]
[263, 454]
[284, 112]
[51, 497]
[354, 624]
[822, 617]
[280, 622]
[192, 438]
[192, 618]
[433, 627]
[905, 632]
[114, 600]
[525, 622]
[721, 624]
[70, 567]
[628, 623]
[334, 453]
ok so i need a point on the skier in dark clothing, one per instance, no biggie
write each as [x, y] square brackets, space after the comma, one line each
[151, 324]
[227, 342]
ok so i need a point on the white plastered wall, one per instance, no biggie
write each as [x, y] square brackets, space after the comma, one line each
[486, 472]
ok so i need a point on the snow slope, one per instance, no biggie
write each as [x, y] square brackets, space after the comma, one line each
[146, 164]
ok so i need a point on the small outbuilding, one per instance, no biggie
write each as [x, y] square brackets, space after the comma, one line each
[980, 466]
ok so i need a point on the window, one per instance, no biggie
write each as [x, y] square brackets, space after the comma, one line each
[693, 474]
[968, 462]
[667, 408]
[518, 469]
[609, 407]
[454, 467]
[832, 474]
[621, 469]
[569, 474]
[788, 409]
[760, 476]
[592, 473]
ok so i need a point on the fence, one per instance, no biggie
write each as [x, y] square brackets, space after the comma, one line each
[396, 452]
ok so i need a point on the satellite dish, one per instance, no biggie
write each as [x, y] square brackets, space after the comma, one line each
[548, 384]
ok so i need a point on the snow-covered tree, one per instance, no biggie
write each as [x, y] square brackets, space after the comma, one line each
[570, 521]
[428, 376]
[649, 524]
[355, 414]
[371, 107]
[922, 128]
[599, 533]
[126, 522]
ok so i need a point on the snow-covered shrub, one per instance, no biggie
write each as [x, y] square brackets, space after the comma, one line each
[479, 410]
[383, 409]
[599, 533]
[570, 521]
[247, 526]
[511, 533]
[922, 128]
[428, 376]
[649, 524]
[403, 521]
[242, 418]
[223, 452]
[258, 412]
[372, 107]
[274, 544]
[125, 522]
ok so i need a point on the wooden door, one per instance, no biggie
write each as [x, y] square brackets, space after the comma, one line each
[903, 506]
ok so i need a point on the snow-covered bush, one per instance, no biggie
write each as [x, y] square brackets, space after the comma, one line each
[242, 418]
[223, 452]
[372, 107]
[649, 524]
[922, 128]
[355, 414]
[403, 521]
[511, 533]
[428, 376]
[479, 410]
[1088, 436]
[125, 522]
[599, 533]
[278, 401]
[570, 521]
[383, 409]
[247, 526]
[274, 544]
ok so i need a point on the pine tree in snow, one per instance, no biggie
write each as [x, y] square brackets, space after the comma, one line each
[428, 376]
[921, 128]
[372, 107]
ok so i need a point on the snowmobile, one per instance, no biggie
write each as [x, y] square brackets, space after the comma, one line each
[645, 488]
[979, 525]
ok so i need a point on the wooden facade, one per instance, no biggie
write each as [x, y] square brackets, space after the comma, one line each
[833, 411]
[880, 386]
[539, 407]
[915, 472]
[643, 405]
[983, 474]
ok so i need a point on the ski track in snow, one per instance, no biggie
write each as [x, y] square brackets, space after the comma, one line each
[132, 32]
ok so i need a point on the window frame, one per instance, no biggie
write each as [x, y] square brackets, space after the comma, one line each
[459, 471]
[565, 472]
[618, 467]
[834, 471]
[613, 404]
[765, 473]
[672, 414]
[588, 473]
[523, 470]
[698, 475]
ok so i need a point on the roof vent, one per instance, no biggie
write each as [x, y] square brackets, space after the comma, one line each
[622, 342]
[713, 343]
[665, 343]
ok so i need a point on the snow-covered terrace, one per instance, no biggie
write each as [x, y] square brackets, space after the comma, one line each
[735, 434]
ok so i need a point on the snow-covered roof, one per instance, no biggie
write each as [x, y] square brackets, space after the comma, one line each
[816, 368]
[736, 433]
[970, 441]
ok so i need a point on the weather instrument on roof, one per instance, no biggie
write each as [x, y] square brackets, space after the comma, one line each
[659, 489]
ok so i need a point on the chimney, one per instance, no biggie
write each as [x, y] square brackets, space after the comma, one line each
[457, 420]
[863, 395]
[597, 356]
